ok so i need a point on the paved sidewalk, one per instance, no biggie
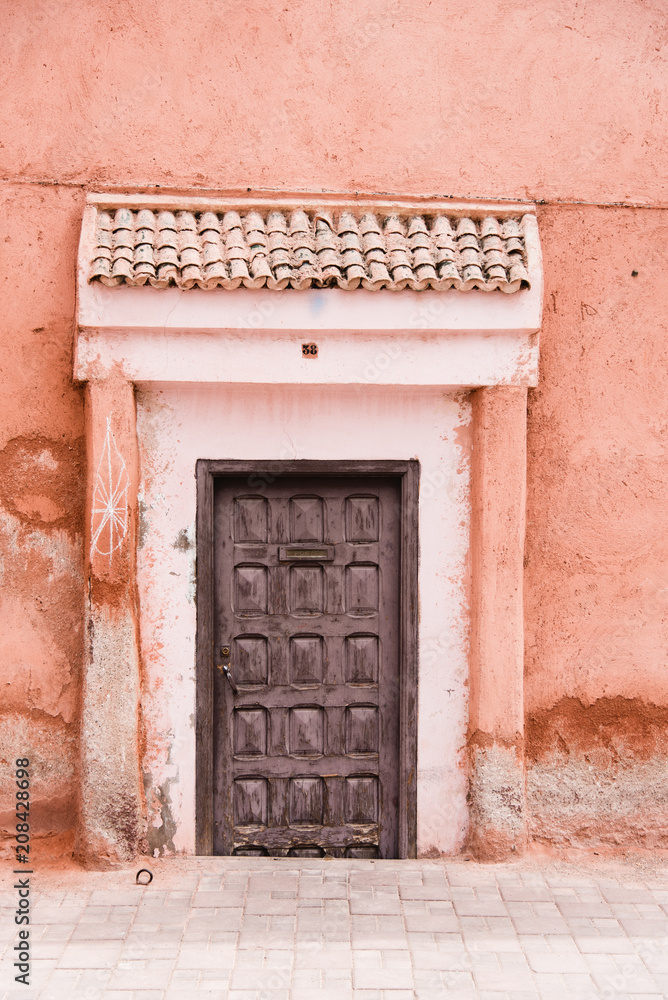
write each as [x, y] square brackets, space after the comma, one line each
[255, 929]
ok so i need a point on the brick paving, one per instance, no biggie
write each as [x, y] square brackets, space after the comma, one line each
[259, 929]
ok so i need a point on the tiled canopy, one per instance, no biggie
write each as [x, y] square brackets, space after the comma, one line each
[305, 248]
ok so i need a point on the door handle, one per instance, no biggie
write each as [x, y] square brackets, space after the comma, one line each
[224, 669]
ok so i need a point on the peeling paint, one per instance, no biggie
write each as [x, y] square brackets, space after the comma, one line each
[182, 542]
[160, 838]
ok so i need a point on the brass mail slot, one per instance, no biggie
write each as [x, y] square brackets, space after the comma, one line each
[312, 553]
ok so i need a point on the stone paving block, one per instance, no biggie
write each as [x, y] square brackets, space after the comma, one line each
[115, 897]
[270, 905]
[379, 939]
[335, 993]
[98, 932]
[323, 958]
[428, 923]
[540, 925]
[48, 993]
[44, 949]
[54, 932]
[395, 959]
[643, 927]
[215, 899]
[557, 963]
[382, 979]
[617, 945]
[474, 924]
[312, 978]
[332, 978]
[655, 960]
[626, 935]
[428, 993]
[450, 979]
[511, 980]
[249, 960]
[195, 957]
[187, 975]
[500, 926]
[421, 892]
[323, 892]
[374, 904]
[200, 994]
[92, 979]
[454, 961]
[576, 908]
[525, 893]
[256, 979]
[103, 955]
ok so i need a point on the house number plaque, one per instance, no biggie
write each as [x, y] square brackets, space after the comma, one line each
[310, 350]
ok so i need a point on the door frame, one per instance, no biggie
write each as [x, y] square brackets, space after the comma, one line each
[408, 473]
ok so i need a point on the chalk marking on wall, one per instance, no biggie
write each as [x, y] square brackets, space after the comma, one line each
[109, 519]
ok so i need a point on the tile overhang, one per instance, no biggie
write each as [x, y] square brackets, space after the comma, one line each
[501, 330]
[298, 244]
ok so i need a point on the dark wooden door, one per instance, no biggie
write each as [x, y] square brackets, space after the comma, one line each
[306, 750]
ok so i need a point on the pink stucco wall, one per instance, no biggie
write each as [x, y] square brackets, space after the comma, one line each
[554, 100]
[596, 584]
[558, 102]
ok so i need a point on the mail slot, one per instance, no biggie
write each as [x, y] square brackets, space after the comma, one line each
[312, 553]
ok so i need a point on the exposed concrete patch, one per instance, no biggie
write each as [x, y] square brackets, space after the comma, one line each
[160, 838]
[597, 774]
[580, 804]
[113, 826]
[142, 522]
[497, 828]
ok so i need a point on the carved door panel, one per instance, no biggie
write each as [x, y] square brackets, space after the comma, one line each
[306, 749]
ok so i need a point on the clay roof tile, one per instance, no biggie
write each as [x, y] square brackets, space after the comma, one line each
[145, 219]
[466, 227]
[208, 221]
[303, 248]
[167, 220]
[490, 227]
[299, 222]
[417, 225]
[347, 224]
[231, 220]
[277, 223]
[123, 219]
[186, 220]
[442, 227]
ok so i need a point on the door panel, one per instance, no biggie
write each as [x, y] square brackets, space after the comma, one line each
[306, 752]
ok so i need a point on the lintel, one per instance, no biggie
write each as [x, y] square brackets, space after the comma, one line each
[460, 335]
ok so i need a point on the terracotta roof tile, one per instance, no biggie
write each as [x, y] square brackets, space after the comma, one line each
[307, 249]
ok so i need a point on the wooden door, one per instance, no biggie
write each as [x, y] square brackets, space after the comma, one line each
[306, 750]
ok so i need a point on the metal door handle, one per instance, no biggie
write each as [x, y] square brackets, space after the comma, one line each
[228, 673]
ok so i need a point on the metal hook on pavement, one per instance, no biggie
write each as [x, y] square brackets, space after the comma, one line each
[144, 871]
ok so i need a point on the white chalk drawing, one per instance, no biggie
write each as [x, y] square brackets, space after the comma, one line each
[109, 520]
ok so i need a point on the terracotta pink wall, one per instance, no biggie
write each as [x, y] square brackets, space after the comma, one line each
[41, 504]
[596, 583]
[559, 102]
